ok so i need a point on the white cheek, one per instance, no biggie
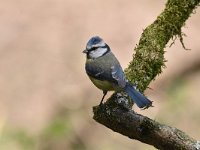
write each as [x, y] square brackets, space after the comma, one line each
[98, 52]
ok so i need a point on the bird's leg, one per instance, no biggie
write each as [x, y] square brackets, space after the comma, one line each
[104, 94]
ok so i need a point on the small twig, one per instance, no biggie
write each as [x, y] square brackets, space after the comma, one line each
[181, 40]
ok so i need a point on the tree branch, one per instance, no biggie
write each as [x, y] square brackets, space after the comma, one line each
[149, 58]
[148, 62]
[117, 115]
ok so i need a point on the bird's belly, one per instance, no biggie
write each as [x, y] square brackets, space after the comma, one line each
[103, 85]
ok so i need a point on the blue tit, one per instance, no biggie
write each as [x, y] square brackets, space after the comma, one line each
[106, 73]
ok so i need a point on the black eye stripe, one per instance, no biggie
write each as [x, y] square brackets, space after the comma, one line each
[94, 48]
[104, 46]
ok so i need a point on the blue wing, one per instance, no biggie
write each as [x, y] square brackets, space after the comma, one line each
[136, 96]
[118, 75]
[100, 73]
[113, 74]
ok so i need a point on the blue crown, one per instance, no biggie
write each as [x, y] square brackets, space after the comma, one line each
[94, 40]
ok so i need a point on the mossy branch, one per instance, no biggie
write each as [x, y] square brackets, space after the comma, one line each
[149, 58]
[147, 63]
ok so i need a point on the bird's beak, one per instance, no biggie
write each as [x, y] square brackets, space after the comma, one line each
[85, 51]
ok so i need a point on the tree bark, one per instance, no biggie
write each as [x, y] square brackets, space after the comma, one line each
[117, 115]
[147, 63]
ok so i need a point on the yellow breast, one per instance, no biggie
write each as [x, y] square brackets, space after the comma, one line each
[103, 85]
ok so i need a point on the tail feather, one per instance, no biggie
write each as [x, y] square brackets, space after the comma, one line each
[140, 100]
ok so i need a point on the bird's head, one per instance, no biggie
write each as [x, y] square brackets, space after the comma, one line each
[96, 47]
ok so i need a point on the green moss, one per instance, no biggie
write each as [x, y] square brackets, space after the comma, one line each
[149, 60]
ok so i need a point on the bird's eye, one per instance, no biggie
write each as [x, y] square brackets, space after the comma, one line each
[93, 48]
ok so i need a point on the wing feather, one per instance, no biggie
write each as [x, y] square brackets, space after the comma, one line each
[118, 75]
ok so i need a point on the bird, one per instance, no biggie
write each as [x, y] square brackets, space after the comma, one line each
[105, 72]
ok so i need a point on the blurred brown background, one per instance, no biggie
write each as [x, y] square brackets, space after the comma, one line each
[46, 98]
